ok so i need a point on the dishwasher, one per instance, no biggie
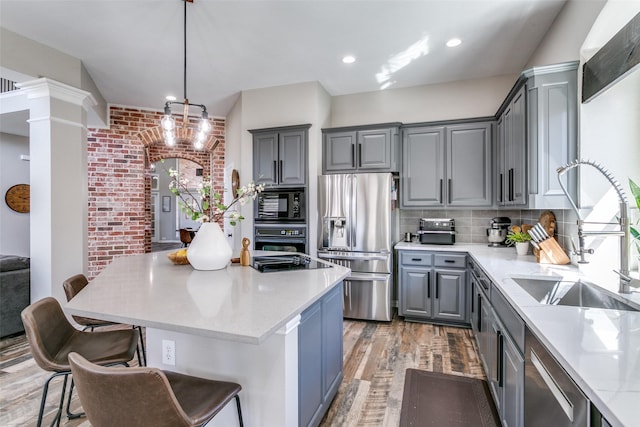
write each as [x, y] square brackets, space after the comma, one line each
[551, 398]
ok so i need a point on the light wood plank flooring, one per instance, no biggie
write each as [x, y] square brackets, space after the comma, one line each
[376, 356]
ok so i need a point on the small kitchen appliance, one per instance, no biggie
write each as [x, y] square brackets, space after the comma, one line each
[497, 231]
[437, 231]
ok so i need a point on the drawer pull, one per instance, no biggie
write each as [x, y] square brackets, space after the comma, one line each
[416, 259]
[450, 261]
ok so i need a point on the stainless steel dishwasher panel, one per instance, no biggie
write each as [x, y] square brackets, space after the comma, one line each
[551, 398]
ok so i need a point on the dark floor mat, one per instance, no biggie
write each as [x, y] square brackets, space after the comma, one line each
[435, 399]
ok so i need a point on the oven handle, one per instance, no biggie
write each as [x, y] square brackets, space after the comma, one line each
[435, 232]
[565, 403]
[354, 257]
[279, 240]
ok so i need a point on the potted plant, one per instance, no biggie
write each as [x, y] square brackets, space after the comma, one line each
[519, 238]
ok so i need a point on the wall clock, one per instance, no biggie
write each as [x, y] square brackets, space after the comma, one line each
[235, 183]
[17, 198]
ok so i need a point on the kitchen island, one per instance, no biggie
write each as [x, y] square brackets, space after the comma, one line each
[598, 348]
[235, 324]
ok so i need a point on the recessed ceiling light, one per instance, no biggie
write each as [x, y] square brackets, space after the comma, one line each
[454, 42]
[349, 59]
[170, 98]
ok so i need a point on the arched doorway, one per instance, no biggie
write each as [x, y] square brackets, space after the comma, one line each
[167, 217]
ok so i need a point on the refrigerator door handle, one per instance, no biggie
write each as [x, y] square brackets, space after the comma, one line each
[353, 210]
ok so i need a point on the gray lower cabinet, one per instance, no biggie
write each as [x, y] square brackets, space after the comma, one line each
[429, 292]
[371, 148]
[499, 333]
[447, 165]
[319, 357]
[280, 156]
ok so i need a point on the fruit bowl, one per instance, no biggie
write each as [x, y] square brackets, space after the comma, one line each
[179, 257]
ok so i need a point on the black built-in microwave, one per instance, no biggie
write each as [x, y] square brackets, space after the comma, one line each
[280, 205]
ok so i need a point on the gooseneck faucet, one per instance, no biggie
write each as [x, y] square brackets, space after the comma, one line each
[623, 223]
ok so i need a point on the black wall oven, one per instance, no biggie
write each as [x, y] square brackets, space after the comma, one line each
[281, 205]
[280, 237]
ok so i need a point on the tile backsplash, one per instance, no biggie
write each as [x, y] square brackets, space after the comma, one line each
[472, 224]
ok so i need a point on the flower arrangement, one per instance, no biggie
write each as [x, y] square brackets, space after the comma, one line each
[207, 205]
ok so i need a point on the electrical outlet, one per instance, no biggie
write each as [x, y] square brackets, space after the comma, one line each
[169, 352]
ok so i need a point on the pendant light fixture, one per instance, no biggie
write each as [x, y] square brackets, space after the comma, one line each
[171, 130]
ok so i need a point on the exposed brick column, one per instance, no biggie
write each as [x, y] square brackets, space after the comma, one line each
[119, 174]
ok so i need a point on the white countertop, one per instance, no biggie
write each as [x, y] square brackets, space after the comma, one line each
[600, 349]
[236, 303]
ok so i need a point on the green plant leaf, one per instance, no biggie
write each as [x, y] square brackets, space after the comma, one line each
[635, 190]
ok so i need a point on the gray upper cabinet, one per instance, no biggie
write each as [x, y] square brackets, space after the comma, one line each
[280, 156]
[552, 112]
[511, 161]
[537, 133]
[469, 164]
[366, 149]
[422, 166]
[447, 165]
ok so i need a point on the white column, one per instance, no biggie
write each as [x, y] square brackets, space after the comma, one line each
[58, 175]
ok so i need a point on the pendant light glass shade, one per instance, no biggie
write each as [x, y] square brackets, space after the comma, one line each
[184, 130]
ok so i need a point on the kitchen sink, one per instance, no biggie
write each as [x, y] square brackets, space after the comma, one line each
[578, 294]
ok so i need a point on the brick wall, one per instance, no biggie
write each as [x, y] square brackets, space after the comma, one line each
[119, 184]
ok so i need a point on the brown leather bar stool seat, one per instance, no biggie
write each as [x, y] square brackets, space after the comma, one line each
[51, 338]
[186, 236]
[72, 286]
[140, 397]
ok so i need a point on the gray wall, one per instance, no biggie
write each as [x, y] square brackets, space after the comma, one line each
[14, 226]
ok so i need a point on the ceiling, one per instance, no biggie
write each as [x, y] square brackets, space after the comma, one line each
[133, 49]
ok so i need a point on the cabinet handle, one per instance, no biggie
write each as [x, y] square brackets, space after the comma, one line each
[511, 191]
[479, 313]
[416, 259]
[449, 190]
[450, 261]
[359, 155]
[280, 172]
[501, 198]
[353, 155]
[472, 300]
[437, 288]
[275, 171]
[500, 350]
[428, 285]
[440, 192]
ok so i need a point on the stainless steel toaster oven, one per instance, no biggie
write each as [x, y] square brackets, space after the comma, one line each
[437, 231]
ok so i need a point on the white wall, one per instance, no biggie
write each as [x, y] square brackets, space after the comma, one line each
[445, 101]
[14, 226]
[610, 134]
[272, 107]
[565, 37]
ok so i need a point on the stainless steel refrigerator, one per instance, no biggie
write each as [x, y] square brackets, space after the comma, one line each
[356, 224]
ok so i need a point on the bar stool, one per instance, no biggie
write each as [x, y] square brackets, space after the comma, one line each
[186, 236]
[51, 338]
[140, 397]
[72, 286]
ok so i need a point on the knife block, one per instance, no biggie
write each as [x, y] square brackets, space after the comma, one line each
[550, 252]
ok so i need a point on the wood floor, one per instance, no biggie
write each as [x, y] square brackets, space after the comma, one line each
[376, 356]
